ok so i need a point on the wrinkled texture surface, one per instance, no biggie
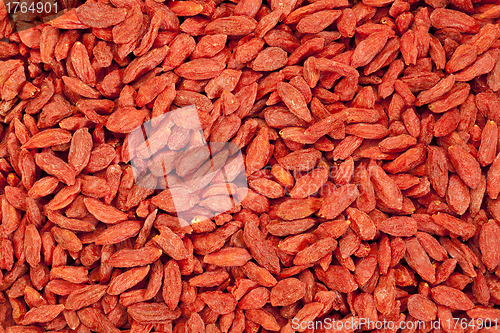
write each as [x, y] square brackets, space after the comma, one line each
[369, 131]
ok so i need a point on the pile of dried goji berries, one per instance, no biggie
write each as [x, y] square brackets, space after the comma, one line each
[245, 166]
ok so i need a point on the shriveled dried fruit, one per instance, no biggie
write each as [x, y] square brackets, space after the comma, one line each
[229, 166]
